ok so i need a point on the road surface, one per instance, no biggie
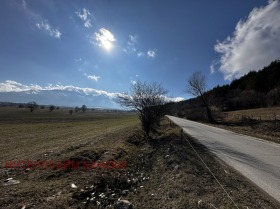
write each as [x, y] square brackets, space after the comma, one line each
[256, 159]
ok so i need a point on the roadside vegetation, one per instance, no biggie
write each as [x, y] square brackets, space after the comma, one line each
[149, 102]
[196, 86]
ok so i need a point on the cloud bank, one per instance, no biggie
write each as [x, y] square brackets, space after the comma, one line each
[65, 94]
[13, 86]
[254, 44]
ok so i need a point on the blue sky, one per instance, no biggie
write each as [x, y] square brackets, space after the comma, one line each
[103, 46]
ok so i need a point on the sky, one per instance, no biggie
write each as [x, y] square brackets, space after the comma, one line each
[91, 50]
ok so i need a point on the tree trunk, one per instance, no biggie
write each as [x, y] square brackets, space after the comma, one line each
[209, 115]
[208, 110]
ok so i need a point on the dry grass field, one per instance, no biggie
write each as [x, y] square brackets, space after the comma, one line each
[265, 114]
[26, 135]
[162, 172]
[263, 123]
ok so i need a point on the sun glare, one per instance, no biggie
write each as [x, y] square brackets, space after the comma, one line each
[105, 39]
[107, 45]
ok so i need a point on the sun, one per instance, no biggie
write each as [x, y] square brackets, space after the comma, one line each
[107, 45]
[105, 39]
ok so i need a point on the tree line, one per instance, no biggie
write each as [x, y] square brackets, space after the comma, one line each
[33, 106]
[253, 90]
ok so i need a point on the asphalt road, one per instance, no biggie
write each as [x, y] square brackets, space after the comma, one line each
[256, 159]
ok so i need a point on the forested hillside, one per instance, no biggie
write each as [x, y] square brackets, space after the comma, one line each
[255, 89]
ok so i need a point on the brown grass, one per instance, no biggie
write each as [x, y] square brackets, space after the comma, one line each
[57, 136]
[262, 123]
[163, 172]
[26, 135]
[257, 114]
[178, 179]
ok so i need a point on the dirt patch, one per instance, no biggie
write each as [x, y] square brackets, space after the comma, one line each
[86, 155]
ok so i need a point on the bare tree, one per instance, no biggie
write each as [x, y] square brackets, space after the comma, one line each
[32, 106]
[76, 109]
[148, 100]
[196, 85]
[21, 106]
[51, 107]
[84, 108]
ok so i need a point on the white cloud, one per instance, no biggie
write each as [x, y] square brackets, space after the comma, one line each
[140, 54]
[132, 42]
[41, 23]
[104, 38]
[93, 77]
[254, 43]
[133, 82]
[133, 49]
[173, 99]
[44, 25]
[87, 24]
[132, 39]
[131, 45]
[151, 53]
[84, 15]
[13, 86]
[212, 68]
[176, 99]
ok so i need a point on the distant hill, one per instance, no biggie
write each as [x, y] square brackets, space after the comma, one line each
[255, 89]
[59, 98]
